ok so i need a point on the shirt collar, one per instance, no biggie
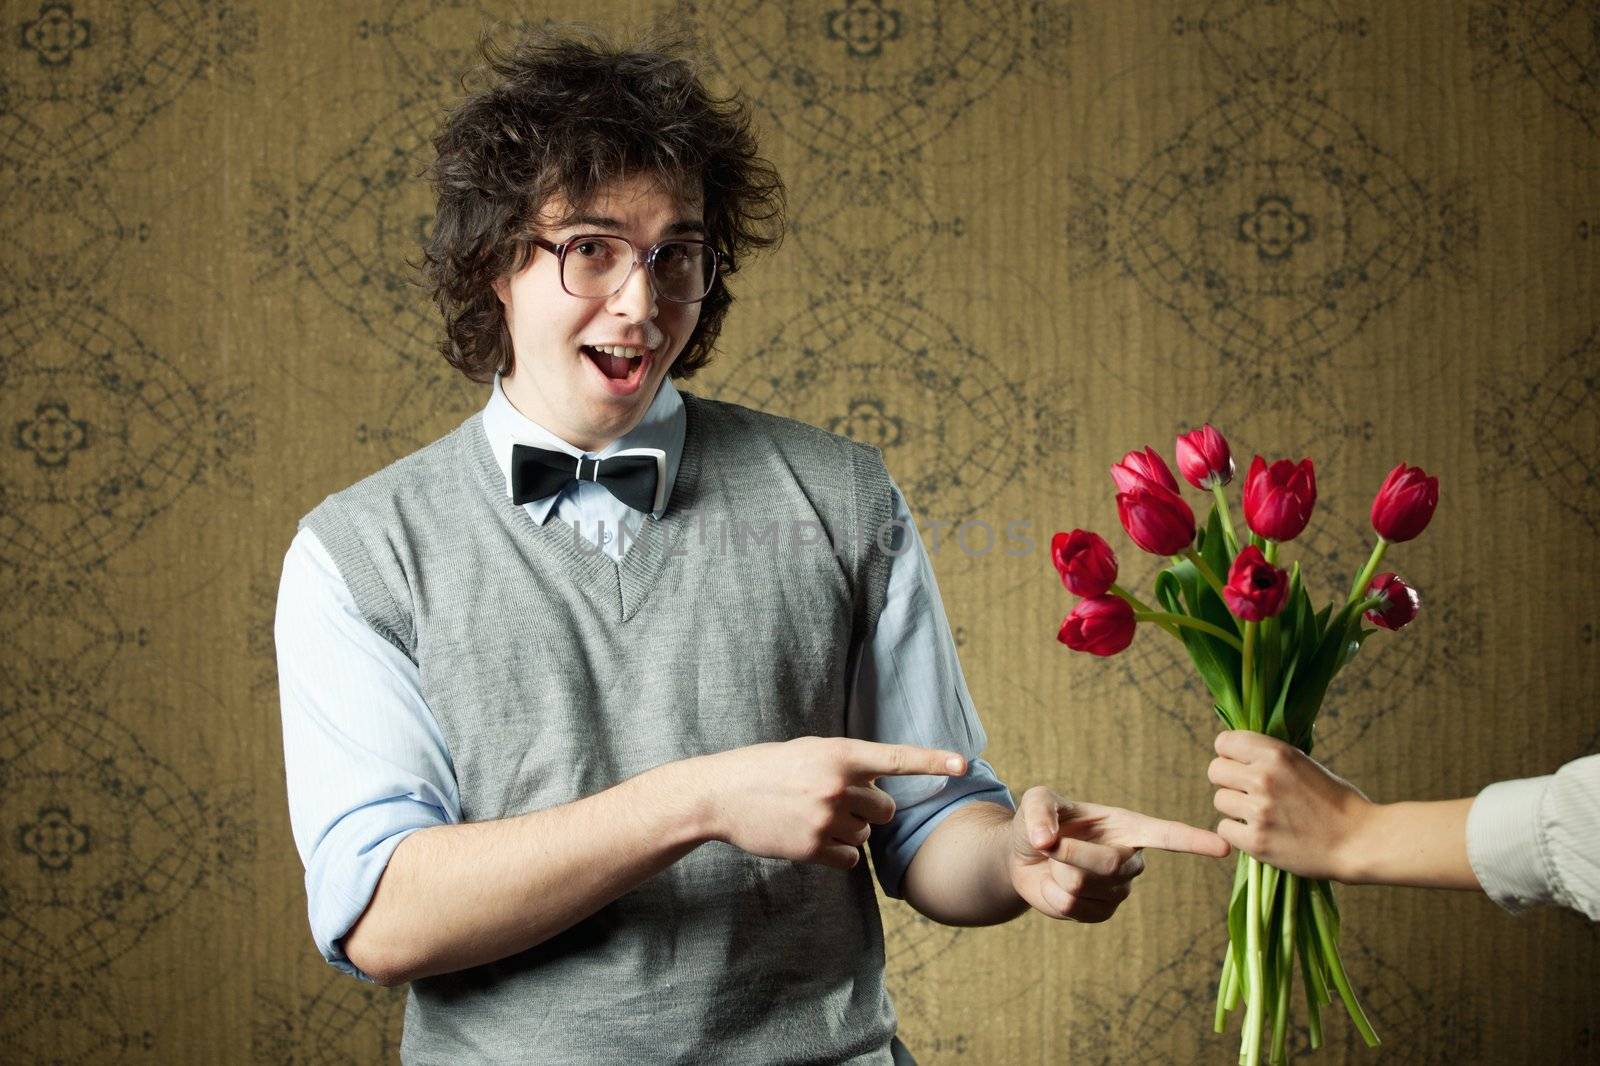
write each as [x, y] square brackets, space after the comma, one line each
[661, 427]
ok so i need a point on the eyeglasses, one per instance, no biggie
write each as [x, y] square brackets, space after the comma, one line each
[595, 266]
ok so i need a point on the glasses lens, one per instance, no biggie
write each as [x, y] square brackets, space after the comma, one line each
[683, 270]
[596, 267]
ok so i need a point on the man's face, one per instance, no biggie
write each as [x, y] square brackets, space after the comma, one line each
[557, 379]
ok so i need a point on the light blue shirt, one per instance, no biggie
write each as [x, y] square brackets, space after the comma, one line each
[367, 765]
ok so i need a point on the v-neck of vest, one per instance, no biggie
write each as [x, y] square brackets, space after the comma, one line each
[620, 585]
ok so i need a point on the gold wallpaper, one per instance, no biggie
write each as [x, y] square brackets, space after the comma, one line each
[1027, 235]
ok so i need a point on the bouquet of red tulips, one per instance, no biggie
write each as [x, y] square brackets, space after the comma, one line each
[1266, 656]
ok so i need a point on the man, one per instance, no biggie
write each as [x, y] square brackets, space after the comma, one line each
[597, 787]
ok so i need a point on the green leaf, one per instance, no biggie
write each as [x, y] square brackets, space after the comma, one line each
[1237, 902]
[1269, 656]
[1307, 630]
[1322, 620]
[1217, 663]
[1270, 925]
[1354, 646]
[1206, 605]
[1305, 698]
[1312, 966]
[1276, 721]
[1290, 618]
[1213, 546]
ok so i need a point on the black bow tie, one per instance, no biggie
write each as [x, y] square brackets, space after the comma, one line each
[540, 472]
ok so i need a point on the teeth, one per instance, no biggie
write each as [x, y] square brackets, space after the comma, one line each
[621, 353]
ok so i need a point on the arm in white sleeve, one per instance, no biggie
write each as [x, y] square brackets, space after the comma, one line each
[909, 689]
[1537, 840]
[365, 761]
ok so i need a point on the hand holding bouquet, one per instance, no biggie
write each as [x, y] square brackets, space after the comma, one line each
[1267, 658]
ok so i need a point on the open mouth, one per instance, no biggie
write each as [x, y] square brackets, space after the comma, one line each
[625, 370]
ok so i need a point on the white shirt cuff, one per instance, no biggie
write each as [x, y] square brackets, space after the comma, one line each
[1503, 843]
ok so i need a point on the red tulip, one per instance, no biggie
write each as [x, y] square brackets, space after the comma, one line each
[1139, 468]
[1256, 589]
[1085, 562]
[1157, 520]
[1400, 604]
[1405, 503]
[1204, 459]
[1099, 625]
[1278, 499]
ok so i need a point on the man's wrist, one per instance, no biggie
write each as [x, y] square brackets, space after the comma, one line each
[685, 790]
[1361, 856]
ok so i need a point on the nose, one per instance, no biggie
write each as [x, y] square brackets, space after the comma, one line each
[636, 300]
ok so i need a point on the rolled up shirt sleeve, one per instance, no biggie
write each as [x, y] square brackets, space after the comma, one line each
[909, 689]
[1537, 840]
[365, 761]
[895, 845]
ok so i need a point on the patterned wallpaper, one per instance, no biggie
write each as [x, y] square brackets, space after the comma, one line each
[1027, 235]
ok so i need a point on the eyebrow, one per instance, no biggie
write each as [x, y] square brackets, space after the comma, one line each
[683, 225]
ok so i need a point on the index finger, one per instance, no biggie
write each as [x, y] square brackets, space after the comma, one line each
[869, 759]
[1143, 831]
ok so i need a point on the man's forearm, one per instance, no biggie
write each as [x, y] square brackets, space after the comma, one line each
[1419, 844]
[958, 876]
[455, 896]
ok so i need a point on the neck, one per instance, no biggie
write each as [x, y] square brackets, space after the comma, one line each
[529, 401]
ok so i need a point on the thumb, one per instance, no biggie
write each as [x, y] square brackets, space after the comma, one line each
[1044, 822]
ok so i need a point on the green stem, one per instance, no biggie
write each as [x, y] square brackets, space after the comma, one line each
[1365, 575]
[1330, 955]
[1205, 571]
[1248, 674]
[1227, 522]
[1162, 617]
[1219, 1021]
[1250, 1049]
[1252, 940]
[1311, 970]
[1269, 652]
[1311, 953]
[1140, 607]
[1133, 601]
[1258, 696]
[1280, 1021]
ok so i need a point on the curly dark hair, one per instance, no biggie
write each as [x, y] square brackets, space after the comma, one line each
[566, 112]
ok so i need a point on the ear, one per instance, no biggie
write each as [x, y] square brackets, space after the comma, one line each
[502, 289]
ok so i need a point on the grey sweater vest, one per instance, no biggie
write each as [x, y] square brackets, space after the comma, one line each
[555, 673]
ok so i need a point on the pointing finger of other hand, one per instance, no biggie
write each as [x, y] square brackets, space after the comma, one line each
[1142, 831]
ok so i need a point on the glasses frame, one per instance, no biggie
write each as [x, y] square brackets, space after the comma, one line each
[647, 256]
